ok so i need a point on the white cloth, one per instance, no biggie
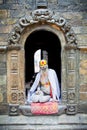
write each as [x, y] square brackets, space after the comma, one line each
[52, 76]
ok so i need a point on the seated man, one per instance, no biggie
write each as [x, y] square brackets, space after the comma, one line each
[46, 86]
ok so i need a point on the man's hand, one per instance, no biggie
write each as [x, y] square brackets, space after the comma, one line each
[39, 92]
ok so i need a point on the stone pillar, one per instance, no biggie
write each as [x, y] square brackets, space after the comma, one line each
[15, 77]
[63, 77]
[71, 80]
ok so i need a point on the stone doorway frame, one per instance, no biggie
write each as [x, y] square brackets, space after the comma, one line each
[37, 20]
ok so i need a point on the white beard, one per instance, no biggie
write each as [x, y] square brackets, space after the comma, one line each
[44, 75]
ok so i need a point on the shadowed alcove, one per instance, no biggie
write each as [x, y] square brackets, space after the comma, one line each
[45, 41]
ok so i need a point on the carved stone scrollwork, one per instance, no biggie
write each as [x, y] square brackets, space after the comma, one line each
[64, 95]
[18, 29]
[27, 20]
[66, 27]
[71, 109]
[13, 109]
[23, 22]
[21, 97]
[14, 97]
[3, 49]
[43, 16]
[70, 37]
[14, 38]
[71, 96]
[59, 21]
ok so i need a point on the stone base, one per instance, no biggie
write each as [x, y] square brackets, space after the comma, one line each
[3, 109]
[62, 122]
[26, 110]
[13, 109]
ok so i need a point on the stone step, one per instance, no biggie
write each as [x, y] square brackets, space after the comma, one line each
[53, 122]
[44, 120]
[44, 127]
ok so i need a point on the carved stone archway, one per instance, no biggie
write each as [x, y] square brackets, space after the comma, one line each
[36, 20]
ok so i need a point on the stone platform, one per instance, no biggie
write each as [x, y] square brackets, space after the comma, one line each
[52, 122]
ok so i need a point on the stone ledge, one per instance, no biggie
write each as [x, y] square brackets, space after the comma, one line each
[44, 127]
[26, 110]
[78, 119]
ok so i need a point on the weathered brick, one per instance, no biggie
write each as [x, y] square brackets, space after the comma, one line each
[83, 88]
[82, 39]
[8, 21]
[82, 1]
[53, 1]
[2, 71]
[3, 37]
[84, 22]
[80, 30]
[72, 15]
[3, 43]
[1, 1]
[17, 13]
[2, 57]
[83, 96]
[3, 13]
[2, 79]
[11, 1]
[16, 6]
[75, 22]
[2, 64]
[6, 29]
[3, 109]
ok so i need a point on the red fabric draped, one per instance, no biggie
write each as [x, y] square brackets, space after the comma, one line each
[44, 108]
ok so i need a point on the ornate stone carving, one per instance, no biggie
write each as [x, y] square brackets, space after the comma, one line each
[3, 49]
[64, 96]
[21, 97]
[15, 82]
[71, 64]
[13, 109]
[18, 28]
[71, 109]
[14, 38]
[14, 66]
[70, 37]
[42, 16]
[71, 96]
[14, 97]
[71, 79]
[60, 21]
[27, 20]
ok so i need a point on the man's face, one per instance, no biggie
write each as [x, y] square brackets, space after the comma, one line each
[43, 67]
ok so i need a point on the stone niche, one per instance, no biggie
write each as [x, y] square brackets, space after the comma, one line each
[42, 19]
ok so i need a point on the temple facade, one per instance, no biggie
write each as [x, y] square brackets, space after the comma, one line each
[57, 28]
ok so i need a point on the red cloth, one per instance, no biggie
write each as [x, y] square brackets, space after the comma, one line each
[51, 92]
[44, 108]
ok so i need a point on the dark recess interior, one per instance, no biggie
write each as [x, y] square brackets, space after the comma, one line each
[44, 40]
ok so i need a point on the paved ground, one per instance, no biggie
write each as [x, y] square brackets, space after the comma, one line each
[62, 122]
